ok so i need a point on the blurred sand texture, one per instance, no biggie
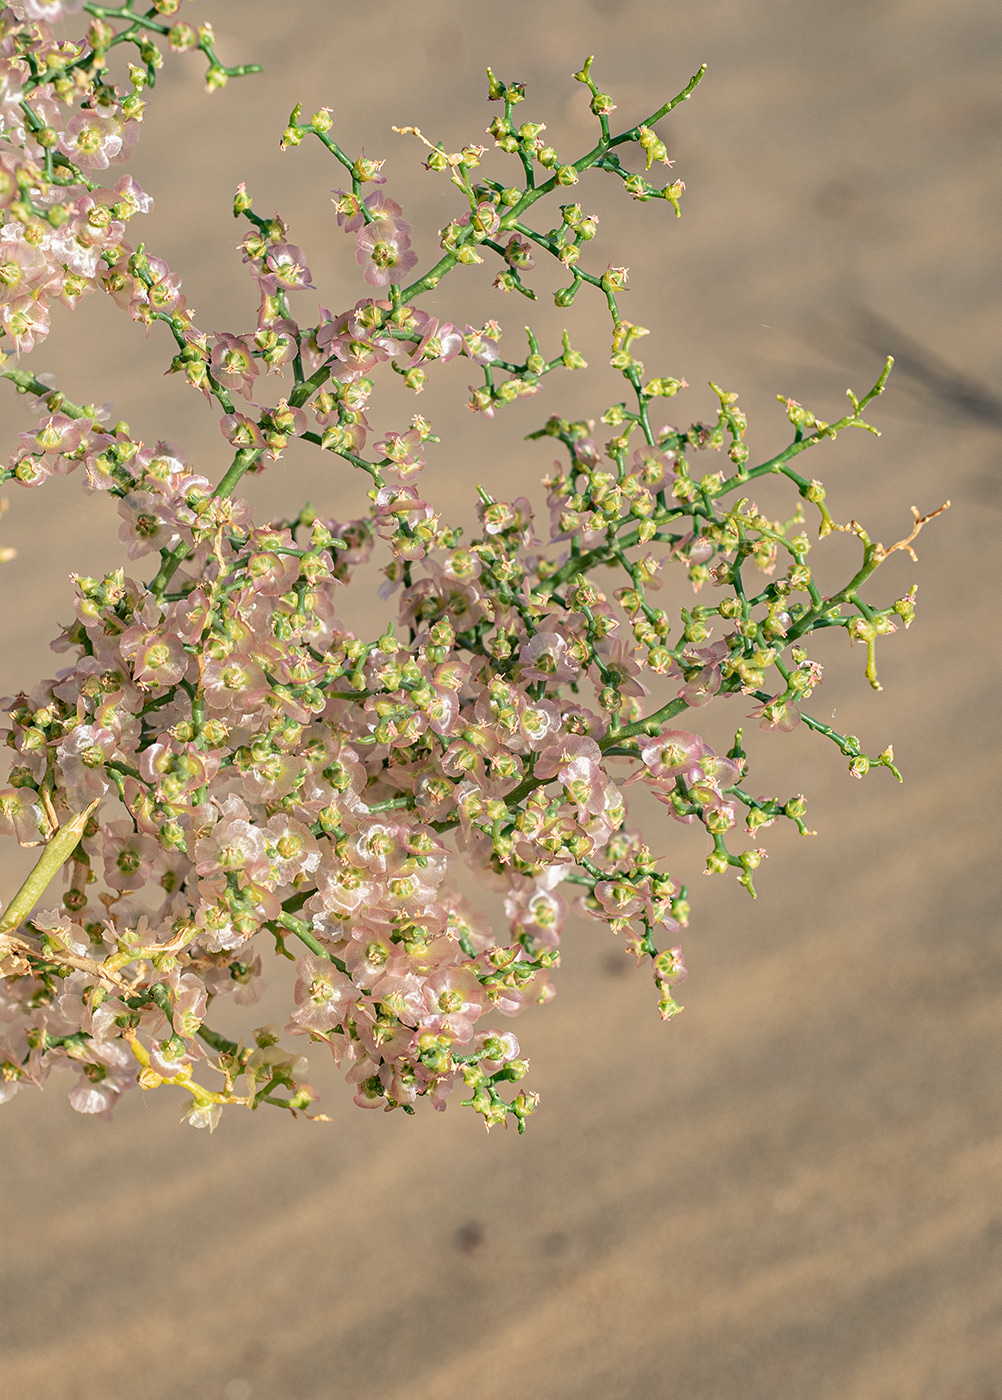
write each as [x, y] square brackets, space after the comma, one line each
[793, 1191]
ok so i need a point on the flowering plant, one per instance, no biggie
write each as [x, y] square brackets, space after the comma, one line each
[223, 768]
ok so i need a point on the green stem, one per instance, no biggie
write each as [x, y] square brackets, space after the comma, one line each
[777, 463]
[650, 725]
[241, 464]
[57, 852]
[305, 934]
[55, 401]
[634, 132]
[844, 595]
[217, 1042]
[430, 279]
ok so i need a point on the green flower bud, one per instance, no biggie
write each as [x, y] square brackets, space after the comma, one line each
[815, 493]
[182, 37]
[665, 388]
[905, 608]
[614, 279]
[653, 148]
[150, 54]
[572, 359]
[637, 187]
[718, 820]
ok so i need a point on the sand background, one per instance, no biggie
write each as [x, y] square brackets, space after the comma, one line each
[791, 1192]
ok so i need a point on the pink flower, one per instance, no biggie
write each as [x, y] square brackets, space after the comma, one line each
[618, 898]
[538, 721]
[189, 1000]
[21, 815]
[169, 1057]
[23, 266]
[82, 755]
[58, 433]
[545, 658]
[176, 770]
[721, 772]
[94, 141]
[26, 321]
[148, 524]
[347, 340]
[453, 1000]
[130, 193]
[482, 346]
[292, 849]
[106, 1071]
[241, 431]
[619, 669]
[286, 270]
[49, 10]
[518, 251]
[701, 690]
[342, 890]
[384, 251]
[538, 912]
[234, 844]
[232, 364]
[404, 452]
[235, 683]
[163, 293]
[439, 341]
[777, 714]
[128, 856]
[158, 658]
[671, 753]
[557, 757]
[324, 996]
[584, 784]
[379, 205]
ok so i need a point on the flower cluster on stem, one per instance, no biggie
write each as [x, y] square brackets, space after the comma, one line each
[223, 770]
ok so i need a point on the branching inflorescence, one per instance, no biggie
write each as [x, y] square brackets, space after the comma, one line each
[224, 768]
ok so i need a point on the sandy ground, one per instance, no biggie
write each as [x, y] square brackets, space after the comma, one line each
[791, 1192]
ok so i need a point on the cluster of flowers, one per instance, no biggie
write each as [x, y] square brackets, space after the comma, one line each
[224, 765]
[62, 124]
